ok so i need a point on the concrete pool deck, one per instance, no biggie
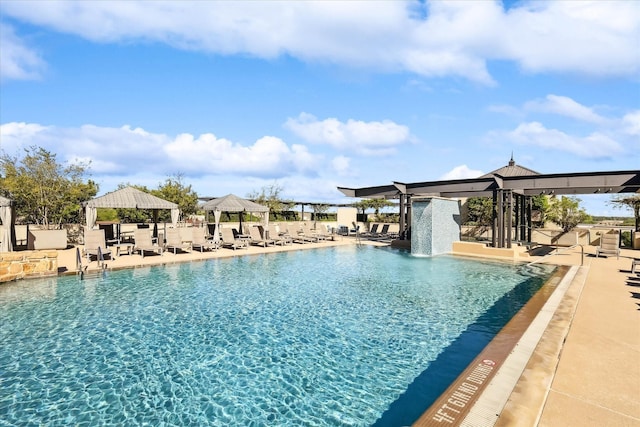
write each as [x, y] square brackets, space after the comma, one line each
[585, 368]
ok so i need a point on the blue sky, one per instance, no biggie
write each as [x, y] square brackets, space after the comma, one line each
[312, 95]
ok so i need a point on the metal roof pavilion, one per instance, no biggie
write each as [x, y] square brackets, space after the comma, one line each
[504, 185]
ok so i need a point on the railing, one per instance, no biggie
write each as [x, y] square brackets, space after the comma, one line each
[79, 270]
[558, 251]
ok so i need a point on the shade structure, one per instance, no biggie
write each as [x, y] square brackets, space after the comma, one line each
[233, 203]
[129, 198]
[7, 224]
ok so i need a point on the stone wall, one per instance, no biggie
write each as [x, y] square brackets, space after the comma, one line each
[27, 264]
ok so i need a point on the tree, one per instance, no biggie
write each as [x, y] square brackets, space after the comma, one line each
[375, 204]
[45, 192]
[318, 209]
[632, 202]
[174, 190]
[566, 212]
[270, 196]
[480, 210]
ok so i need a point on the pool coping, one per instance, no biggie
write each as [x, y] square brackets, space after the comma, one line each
[479, 394]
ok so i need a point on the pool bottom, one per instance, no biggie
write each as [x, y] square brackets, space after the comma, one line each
[453, 407]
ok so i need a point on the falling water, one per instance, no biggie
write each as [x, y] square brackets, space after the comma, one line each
[435, 225]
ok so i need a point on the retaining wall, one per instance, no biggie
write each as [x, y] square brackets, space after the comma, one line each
[27, 264]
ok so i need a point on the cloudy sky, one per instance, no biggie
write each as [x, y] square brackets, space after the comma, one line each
[313, 95]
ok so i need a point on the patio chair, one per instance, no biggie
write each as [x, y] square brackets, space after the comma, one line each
[383, 234]
[95, 243]
[176, 242]
[142, 242]
[323, 232]
[609, 245]
[200, 240]
[278, 238]
[230, 241]
[297, 236]
[257, 239]
[313, 234]
[373, 232]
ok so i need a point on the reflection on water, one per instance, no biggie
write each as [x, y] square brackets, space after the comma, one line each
[28, 290]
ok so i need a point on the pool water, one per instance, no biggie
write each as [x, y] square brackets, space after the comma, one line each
[345, 336]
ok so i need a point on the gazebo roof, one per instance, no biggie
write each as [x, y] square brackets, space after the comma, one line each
[131, 198]
[511, 169]
[233, 203]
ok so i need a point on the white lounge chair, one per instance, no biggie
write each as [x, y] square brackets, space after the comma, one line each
[200, 240]
[257, 239]
[230, 241]
[95, 244]
[142, 242]
[609, 244]
[176, 242]
[278, 238]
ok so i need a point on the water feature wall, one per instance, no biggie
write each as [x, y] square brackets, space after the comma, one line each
[435, 225]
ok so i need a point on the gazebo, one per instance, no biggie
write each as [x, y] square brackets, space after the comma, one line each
[131, 198]
[6, 217]
[233, 203]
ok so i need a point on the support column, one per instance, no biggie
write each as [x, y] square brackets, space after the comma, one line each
[529, 219]
[500, 218]
[408, 220]
[494, 220]
[517, 236]
[509, 213]
[523, 216]
[402, 220]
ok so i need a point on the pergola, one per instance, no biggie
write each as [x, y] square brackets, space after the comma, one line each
[511, 188]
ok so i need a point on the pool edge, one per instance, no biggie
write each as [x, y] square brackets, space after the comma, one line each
[479, 395]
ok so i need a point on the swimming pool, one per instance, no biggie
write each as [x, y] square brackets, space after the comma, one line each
[336, 336]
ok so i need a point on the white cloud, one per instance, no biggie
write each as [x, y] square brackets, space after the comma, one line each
[565, 106]
[126, 150]
[584, 37]
[631, 123]
[369, 138]
[461, 172]
[448, 39]
[17, 60]
[341, 165]
[596, 145]
[268, 156]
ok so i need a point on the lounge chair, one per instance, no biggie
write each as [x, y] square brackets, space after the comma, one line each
[142, 242]
[257, 239]
[94, 244]
[176, 242]
[323, 232]
[282, 239]
[313, 234]
[609, 244]
[200, 241]
[371, 233]
[230, 241]
[383, 234]
[297, 236]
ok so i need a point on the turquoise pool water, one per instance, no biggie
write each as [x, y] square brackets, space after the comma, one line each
[346, 336]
